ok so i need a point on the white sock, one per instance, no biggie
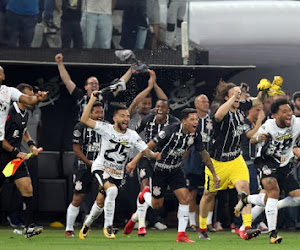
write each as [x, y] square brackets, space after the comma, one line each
[135, 217]
[271, 213]
[257, 199]
[72, 214]
[109, 206]
[288, 202]
[192, 218]
[183, 217]
[141, 211]
[255, 212]
[148, 198]
[209, 218]
[95, 212]
[170, 37]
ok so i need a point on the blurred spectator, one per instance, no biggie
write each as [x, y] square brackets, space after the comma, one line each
[153, 13]
[134, 25]
[2, 22]
[70, 24]
[176, 12]
[245, 91]
[97, 19]
[296, 103]
[21, 17]
[48, 15]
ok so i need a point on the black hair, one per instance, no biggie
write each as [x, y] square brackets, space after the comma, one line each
[96, 104]
[23, 86]
[277, 103]
[296, 95]
[185, 112]
[163, 100]
[118, 107]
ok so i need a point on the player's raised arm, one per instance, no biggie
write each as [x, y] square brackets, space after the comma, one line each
[31, 100]
[64, 75]
[85, 119]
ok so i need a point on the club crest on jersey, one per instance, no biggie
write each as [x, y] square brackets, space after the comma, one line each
[162, 134]
[76, 133]
[209, 125]
[241, 117]
[78, 185]
[156, 191]
[266, 170]
[190, 141]
[5, 95]
[142, 173]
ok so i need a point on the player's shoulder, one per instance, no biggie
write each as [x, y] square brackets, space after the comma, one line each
[173, 119]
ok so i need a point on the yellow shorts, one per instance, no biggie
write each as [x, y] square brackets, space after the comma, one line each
[230, 172]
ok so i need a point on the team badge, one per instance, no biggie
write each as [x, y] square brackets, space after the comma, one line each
[78, 185]
[76, 133]
[190, 141]
[142, 173]
[209, 125]
[266, 170]
[156, 191]
[162, 134]
[241, 117]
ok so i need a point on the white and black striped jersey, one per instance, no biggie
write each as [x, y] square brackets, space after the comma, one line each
[15, 127]
[282, 141]
[115, 149]
[90, 143]
[151, 128]
[206, 129]
[172, 143]
[7, 94]
[248, 149]
[226, 138]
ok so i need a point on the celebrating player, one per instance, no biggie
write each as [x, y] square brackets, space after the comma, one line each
[109, 167]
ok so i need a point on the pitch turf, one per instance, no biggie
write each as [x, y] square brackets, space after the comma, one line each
[54, 239]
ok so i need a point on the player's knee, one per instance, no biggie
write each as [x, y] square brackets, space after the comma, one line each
[27, 191]
[112, 193]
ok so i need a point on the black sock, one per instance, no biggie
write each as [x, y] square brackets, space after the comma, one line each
[27, 209]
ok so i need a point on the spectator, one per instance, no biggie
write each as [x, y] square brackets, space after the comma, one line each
[153, 13]
[97, 19]
[48, 15]
[134, 25]
[2, 21]
[296, 103]
[70, 24]
[21, 17]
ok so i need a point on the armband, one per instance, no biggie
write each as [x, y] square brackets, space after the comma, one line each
[15, 152]
[31, 143]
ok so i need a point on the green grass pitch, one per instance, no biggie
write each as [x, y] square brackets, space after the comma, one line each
[54, 239]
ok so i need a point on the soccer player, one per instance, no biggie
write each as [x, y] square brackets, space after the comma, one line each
[278, 137]
[172, 142]
[193, 165]
[109, 167]
[151, 125]
[225, 150]
[15, 131]
[8, 94]
[92, 84]
[86, 145]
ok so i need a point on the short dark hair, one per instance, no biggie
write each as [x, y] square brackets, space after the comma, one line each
[96, 104]
[118, 107]
[23, 86]
[185, 112]
[277, 103]
[296, 95]
[163, 100]
[148, 96]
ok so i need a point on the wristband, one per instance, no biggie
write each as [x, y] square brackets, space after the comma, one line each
[31, 143]
[15, 152]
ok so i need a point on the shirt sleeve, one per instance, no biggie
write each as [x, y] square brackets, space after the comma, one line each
[77, 94]
[247, 126]
[101, 127]
[163, 136]
[78, 134]
[139, 144]
[15, 94]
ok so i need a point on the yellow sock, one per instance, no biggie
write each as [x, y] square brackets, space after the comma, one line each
[247, 220]
[202, 222]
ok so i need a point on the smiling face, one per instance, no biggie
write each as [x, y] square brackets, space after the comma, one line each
[283, 116]
[161, 110]
[121, 119]
[97, 113]
[91, 85]
[190, 123]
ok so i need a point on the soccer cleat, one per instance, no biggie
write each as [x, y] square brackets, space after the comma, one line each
[142, 232]
[69, 234]
[32, 230]
[141, 195]
[218, 226]
[242, 202]
[159, 226]
[14, 221]
[115, 230]
[203, 235]
[274, 238]
[211, 229]
[249, 233]
[83, 233]
[263, 227]
[129, 226]
[108, 232]
[193, 228]
[182, 237]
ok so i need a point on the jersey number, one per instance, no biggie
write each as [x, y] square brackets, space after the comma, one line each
[119, 148]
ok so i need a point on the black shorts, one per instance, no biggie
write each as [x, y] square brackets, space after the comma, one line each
[194, 181]
[285, 177]
[163, 178]
[21, 172]
[100, 179]
[145, 168]
[83, 179]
